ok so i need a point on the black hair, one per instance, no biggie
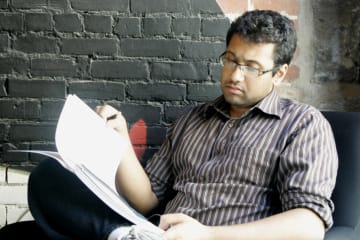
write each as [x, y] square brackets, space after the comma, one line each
[266, 26]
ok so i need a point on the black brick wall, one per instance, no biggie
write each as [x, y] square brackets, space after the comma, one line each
[152, 59]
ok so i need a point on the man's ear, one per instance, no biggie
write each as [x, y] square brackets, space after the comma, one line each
[280, 74]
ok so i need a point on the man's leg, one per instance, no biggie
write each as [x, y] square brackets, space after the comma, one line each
[65, 208]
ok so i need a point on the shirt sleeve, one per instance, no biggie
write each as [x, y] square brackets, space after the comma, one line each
[158, 168]
[308, 167]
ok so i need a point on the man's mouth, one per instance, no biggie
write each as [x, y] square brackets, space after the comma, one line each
[233, 88]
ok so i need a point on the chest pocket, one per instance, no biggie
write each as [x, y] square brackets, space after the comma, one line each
[243, 165]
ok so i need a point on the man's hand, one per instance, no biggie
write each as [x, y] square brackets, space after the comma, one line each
[113, 119]
[299, 223]
[180, 226]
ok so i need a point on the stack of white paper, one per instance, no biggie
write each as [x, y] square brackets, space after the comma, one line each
[93, 151]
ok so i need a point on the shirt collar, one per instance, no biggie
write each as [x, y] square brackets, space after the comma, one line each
[270, 105]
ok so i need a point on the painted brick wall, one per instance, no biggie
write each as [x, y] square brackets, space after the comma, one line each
[152, 59]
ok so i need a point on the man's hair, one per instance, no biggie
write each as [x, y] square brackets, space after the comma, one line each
[266, 26]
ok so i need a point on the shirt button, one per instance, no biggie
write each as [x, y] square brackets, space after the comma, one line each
[230, 125]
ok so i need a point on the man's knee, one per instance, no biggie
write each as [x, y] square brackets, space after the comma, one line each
[43, 180]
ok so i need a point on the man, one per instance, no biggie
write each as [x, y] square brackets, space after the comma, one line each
[249, 165]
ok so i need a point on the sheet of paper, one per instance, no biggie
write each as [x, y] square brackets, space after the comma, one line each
[55, 155]
[114, 200]
[83, 138]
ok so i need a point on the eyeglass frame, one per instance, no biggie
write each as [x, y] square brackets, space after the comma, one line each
[234, 65]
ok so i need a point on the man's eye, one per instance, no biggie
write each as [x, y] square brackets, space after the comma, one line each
[251, 69]
[233, 63]
[230, 62]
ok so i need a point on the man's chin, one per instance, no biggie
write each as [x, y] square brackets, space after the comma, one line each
[234, 100]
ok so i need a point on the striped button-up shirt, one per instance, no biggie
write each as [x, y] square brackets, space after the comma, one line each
[278, 156]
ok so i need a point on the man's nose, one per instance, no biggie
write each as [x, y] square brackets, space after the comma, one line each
[237, 75]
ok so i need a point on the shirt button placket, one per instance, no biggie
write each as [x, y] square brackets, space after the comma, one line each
[231, 124]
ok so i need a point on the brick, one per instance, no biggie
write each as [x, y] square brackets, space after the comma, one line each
[3, 131]
[149, 152]
[100, 5]
[138, 133]
[155, 135]
[128, 27]
[51, 109]
[42, 146]
[157, 91]
[83, 66]
[35, 44]
[32, 132]
[17, 176]
[67, 23]
[233, 6]
[16, 109]
[2, 215]
[3, 171]
[38, 22]
[174, 112]
[27, 216]
[3, 4]
[134, 112]
[3, 89]
[18, 214]
[13, 194]
[63, 5]
[98, 90]
[89, 46]
[291, 7]
[158, 6]
[179, 71]
[29, 4]
[205, 6]
[52, 67]
[157, 26]
[215, 27]
[4, 42]
[98, 24]
[215, 72]
[118, 70]
[203, 50]
[11, 64]
[11, 21]
[39, 88]
[15, 157]
[203, 92]
[181, 26]
[151, 48]
[37, 158]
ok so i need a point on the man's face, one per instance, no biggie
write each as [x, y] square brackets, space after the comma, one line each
[241, 90]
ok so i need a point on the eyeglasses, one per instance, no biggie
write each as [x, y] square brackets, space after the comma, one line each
[248, 71]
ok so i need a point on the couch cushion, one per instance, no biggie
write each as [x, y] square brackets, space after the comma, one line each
[340, 233]
[346, 196]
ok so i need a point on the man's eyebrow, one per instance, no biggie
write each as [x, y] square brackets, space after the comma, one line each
[244, 60]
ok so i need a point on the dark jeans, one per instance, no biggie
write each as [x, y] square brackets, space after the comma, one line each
[65, 208]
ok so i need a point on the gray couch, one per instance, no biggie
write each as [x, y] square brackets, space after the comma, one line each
[346, 196]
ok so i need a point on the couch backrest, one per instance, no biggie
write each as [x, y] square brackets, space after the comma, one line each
[346, 196]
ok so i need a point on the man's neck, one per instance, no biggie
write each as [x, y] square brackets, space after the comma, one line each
[237, 112]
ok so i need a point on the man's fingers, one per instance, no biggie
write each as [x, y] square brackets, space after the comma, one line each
[168, 220]
[106, 112]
